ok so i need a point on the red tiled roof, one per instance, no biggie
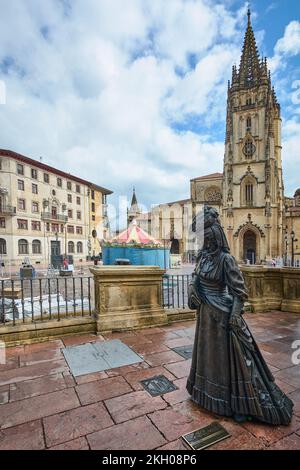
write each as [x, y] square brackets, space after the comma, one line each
[42, 166]
[208, 177]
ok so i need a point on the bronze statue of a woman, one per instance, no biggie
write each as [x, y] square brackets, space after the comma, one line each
[228, 374]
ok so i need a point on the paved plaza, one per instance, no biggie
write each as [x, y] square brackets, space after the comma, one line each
[42, 406]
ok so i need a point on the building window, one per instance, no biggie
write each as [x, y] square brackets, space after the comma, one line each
[21, 204]
[248, 101]
[249, 193]
[79, 247]
[71, 247]
[69, 185]
[23, 247]
[35, 207]
[78, 215]
[3, 246]
[2, 222]
[55, 228]
[62, 228]
[79, 230]
[93, 218]
[34, 174]
[59, 182]
[70, 213]
[34, 188]
[93, 194]
[47, 227]
[77, 188]
[22, 224]
[69, 197]
[21, 185]
[104, 198]
[36, 247]
[93, 207]
[248, 123]
[46, 178]
[70, 229]
[20, 169]
[36, 225]
[78, 201]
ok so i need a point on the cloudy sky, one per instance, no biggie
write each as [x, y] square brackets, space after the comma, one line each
[133, 92]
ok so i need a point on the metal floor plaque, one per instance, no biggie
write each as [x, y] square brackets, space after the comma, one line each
[96, 357]
[184, 351]
[158, 385]
[205, 437]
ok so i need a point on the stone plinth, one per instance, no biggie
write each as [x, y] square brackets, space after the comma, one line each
[273, 288]
[128, 297]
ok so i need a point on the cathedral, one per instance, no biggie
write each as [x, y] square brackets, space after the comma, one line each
[260, 222]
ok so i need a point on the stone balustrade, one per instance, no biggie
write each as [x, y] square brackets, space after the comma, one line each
[273, 288]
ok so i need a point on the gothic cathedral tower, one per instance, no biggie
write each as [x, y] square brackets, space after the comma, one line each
[253, 184]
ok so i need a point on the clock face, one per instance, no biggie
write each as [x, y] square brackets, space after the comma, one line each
[249, 148]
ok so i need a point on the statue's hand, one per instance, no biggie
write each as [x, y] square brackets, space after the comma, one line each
[236, 311]
[193, 299]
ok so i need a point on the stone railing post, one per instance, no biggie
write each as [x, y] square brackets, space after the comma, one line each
[128, 297]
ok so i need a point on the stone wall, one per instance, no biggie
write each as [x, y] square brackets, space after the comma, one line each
[273, 288]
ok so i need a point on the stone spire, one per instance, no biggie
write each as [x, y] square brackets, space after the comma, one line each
[134, 199]
[250, 67]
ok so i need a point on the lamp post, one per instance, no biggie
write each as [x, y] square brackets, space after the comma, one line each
[286, 247]
[294, 240]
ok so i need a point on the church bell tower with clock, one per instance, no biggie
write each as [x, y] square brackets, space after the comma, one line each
[253, 185]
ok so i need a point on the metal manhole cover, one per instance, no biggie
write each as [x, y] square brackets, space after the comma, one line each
[158, 385]
[96, 357]
[184, 351]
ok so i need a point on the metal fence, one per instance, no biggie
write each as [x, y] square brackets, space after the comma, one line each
[43, 299]
[175, 290]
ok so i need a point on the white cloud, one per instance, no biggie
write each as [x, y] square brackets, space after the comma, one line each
[94, 91]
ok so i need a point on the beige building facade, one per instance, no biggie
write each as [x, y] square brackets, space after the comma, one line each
[46, 213]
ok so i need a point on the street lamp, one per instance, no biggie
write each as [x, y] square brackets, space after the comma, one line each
[294, 240]
[286, 246]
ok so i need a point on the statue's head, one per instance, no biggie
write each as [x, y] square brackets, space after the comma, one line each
[211, 216]
[214, 236]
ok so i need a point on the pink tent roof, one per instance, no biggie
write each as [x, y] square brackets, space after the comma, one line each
[135, 234]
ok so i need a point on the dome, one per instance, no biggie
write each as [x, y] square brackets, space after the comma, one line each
[297, 193]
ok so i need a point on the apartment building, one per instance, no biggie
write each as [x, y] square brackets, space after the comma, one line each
[46, 213]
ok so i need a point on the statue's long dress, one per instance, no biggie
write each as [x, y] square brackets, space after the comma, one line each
[228, 373]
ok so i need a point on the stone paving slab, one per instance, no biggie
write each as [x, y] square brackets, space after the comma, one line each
[96, 357]
[138, 434]
[42, 404]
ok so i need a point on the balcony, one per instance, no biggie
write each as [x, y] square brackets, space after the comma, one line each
[48, 216]
[7, 210]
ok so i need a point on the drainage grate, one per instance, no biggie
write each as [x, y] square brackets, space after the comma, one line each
[158, 385]
[184, 351]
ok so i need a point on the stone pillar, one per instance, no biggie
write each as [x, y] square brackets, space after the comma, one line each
[128, 297]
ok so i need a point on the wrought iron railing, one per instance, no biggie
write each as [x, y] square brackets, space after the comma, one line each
[175, 290]
[44, 299]
[8, 210]
[54, 217]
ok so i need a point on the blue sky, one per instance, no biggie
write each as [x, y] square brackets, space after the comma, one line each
[133, 92]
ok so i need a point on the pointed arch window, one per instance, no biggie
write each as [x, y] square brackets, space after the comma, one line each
[248, 123]
[249, 194]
